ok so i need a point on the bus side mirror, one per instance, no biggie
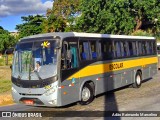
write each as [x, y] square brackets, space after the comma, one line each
[69, 55]
[62, 56]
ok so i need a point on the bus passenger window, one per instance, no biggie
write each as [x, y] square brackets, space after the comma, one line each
[103, 50]
[130, 48]
[144, 48]
[74, 54]
[99, 50]
[134, 48]
[151, 47]
[139, 48]
[84, 50]
[125, 52]
[118, 49]
[107, 50]
[111, 50]
[122, 49]
[93, 49]
[147, 47]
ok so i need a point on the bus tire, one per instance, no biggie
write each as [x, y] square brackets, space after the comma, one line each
[138, 80]
[87, 94]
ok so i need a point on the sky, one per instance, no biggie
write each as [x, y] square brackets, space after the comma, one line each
[12, 10]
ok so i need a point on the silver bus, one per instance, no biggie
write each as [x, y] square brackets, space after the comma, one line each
[56, 69]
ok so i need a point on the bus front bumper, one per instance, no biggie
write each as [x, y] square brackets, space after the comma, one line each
[34, 97]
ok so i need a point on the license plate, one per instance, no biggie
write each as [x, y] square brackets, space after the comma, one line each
[28, 102]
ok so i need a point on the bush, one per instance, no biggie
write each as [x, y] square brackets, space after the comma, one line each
[158, 37]
[141, 33]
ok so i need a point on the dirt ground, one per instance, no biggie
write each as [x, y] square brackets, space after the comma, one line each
[5, 74]
[6, 99]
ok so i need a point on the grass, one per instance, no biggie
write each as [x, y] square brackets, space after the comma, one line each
[5, 86]
[3, 60]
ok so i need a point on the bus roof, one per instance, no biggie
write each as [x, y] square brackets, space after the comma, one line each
[93, 35]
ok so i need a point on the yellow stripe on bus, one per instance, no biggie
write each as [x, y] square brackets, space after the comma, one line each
[113, 66]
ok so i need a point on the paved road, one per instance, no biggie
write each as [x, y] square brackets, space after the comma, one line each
[146, 98]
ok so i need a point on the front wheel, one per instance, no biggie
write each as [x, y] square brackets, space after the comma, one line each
[138, 80]
[87, 95]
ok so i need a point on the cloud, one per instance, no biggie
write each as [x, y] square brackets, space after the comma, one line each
[18, 7]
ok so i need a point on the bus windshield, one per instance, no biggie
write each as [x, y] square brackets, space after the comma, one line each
[35, 60]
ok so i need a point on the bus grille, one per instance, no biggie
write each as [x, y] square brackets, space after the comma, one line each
[25, 94]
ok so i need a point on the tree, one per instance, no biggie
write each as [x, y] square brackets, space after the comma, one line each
[61, 16]
[146, 14]
[117, 16]
[105, 17]
[54, 24]
[1, 27]
[32, 25]
[6, 40]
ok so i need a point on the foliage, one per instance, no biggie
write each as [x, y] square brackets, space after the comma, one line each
[32, 25]
[141, 33]
[106, 17]
[54, 24]
[65, 8]
[157, 37]
[3, 60]
[61, 17]
[1, 28]
[6, 40]
[95, 16]
[5, 85]
[119, 16]
[5, 82]
[146, 14]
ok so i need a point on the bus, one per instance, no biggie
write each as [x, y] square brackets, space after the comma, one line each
[158, 52]
[57, 69]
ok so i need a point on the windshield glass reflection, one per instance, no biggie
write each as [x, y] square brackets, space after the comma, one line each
[35, 60]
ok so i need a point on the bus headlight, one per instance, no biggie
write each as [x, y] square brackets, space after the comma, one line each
[50, 91]
[14, 90]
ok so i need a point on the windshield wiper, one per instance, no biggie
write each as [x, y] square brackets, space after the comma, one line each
[38, 75]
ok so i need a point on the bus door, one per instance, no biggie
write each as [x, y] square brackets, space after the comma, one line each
[69, 71]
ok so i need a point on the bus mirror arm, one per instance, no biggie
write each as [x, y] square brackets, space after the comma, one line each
[58, 47]
[69, 55]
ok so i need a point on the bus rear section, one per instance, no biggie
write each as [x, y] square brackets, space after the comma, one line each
[102, 64]
[158, 52]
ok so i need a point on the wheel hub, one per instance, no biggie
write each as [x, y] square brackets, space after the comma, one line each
[138, 80]
[85, 94]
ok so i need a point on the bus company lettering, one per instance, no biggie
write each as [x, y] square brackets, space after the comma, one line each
[115, 66]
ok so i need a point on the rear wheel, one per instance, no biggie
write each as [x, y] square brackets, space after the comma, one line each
[87, 95]
[138, 80]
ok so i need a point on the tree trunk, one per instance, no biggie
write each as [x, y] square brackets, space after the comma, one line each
[139, 24]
